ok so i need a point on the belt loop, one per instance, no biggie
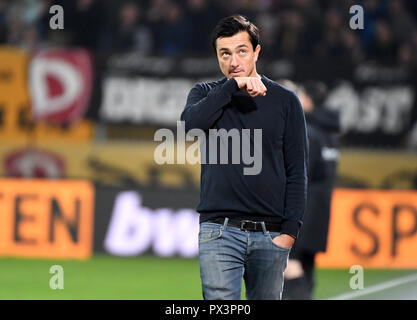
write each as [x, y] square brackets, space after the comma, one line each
[264, 228]
[226, 220]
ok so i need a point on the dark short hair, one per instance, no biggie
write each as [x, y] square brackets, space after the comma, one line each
[317, 91]
[232, 25]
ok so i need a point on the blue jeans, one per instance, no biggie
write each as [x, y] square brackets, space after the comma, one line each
[226, 254]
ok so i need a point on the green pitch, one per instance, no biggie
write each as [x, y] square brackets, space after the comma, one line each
[151, 278]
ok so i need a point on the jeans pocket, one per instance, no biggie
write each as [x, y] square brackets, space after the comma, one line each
[209, 233]
[271, 236]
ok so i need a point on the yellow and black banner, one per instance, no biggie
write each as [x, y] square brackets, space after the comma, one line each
[16, 115]
[47, 219]
[372, 228]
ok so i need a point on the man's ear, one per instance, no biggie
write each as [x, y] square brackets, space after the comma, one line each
[256, 52]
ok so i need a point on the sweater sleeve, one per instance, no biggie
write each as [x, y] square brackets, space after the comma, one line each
[296, 165]
[204, 107]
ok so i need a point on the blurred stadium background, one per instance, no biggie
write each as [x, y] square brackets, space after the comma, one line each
[79, 108]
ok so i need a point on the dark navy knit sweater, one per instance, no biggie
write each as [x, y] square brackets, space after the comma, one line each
[278, 192]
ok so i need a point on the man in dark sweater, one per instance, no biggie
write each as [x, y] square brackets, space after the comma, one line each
[248, 221]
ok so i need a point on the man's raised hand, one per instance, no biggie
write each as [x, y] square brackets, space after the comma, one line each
[251, 85]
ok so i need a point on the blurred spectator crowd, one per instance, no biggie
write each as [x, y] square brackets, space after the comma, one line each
[289, 28]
